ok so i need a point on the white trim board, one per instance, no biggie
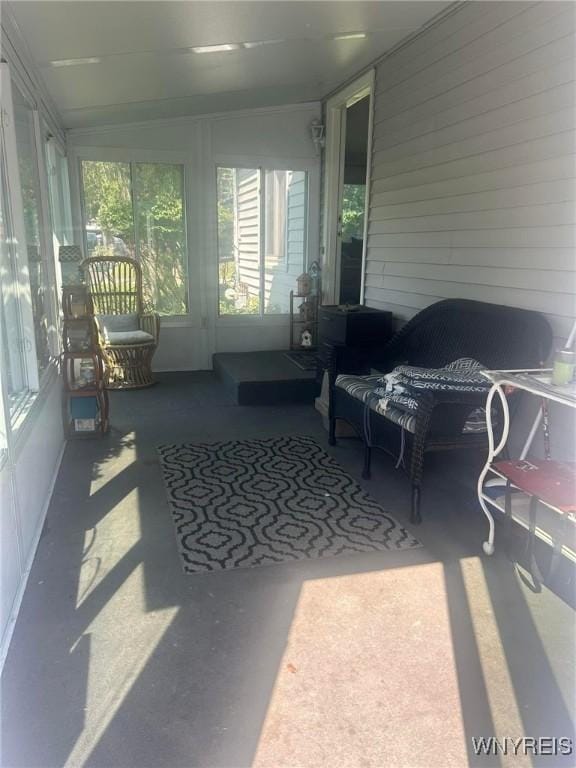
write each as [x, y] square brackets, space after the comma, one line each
[11, 623]
[127, 154]
[160, 122]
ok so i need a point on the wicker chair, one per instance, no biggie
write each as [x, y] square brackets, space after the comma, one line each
[498, 337]
[128, 336]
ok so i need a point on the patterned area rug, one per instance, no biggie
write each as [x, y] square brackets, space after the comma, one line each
[248, 503]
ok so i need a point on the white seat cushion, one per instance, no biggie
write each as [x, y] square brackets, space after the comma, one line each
[118, 323]
[129, 337]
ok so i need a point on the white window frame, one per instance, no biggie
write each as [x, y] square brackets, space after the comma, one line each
[16, 217]
[275, 233]
[129, 156]
[59, 202]
[58, 187]
[52, 289]
[21, 412]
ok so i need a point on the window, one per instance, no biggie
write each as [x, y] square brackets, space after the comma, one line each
[24, 125]
[137, 210]
[275, 218]
[26, 290]
[59, 194]
[262, 222]
[13, 360]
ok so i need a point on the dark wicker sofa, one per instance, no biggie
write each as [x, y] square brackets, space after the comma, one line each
[498, 337]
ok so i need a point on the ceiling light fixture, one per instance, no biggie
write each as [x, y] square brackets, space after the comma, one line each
[215, 48]
[75, 62]
[258, 43]
[350, 36]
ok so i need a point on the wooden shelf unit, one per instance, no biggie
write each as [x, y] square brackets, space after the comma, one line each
[299, 324]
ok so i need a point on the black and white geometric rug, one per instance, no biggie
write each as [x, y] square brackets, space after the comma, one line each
[247, 503]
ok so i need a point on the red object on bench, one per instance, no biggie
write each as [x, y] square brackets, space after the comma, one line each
[554, 482]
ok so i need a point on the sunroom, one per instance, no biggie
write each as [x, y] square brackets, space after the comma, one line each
[287, 314]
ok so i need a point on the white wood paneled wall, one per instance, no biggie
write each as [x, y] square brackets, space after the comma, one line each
[473, 165]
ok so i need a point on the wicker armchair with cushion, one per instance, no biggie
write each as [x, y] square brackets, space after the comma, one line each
[496, 336]
[128, 336]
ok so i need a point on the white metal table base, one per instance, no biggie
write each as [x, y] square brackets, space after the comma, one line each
[502, 379]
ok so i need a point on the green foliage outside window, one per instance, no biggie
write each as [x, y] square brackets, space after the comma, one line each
[353, 211]
[148, 200]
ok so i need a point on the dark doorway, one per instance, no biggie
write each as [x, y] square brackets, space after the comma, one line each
[354, 200]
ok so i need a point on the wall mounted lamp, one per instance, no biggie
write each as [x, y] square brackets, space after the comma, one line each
[317, 133]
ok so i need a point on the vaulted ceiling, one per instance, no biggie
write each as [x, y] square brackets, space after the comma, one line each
[139, 63]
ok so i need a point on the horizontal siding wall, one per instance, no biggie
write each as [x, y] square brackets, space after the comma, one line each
[473, 165]
[248, 214]
[281, 279]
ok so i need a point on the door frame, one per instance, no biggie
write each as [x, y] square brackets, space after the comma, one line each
[334, 181]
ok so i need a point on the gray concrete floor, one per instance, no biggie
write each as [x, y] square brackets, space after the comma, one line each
[119, 659]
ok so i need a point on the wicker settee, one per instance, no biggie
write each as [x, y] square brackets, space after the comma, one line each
[498, 337]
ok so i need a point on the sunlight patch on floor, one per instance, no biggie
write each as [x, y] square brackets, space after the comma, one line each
[499, 687]
[123, 637]
[107, 543]
[368, 676]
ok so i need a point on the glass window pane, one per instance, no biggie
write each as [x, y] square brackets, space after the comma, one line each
[138, 211]
[159, 204]
[29, 182]
[64, 188]
[13, 370]
[109, 221]
[57, 171]
[239, 249]
[285, 215]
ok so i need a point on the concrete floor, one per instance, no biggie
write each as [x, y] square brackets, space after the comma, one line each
[392, 659]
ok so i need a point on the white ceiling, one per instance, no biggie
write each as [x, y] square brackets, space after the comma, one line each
[146, 71]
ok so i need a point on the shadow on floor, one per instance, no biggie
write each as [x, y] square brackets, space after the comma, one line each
[119, 659]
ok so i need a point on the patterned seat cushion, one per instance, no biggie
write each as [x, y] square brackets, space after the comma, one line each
[359, 387]
[402, 418]
[366, 389]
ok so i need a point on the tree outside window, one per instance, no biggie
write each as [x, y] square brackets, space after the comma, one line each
[137, 210]
[353, 202]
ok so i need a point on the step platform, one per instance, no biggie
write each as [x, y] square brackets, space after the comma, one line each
[264, 378]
